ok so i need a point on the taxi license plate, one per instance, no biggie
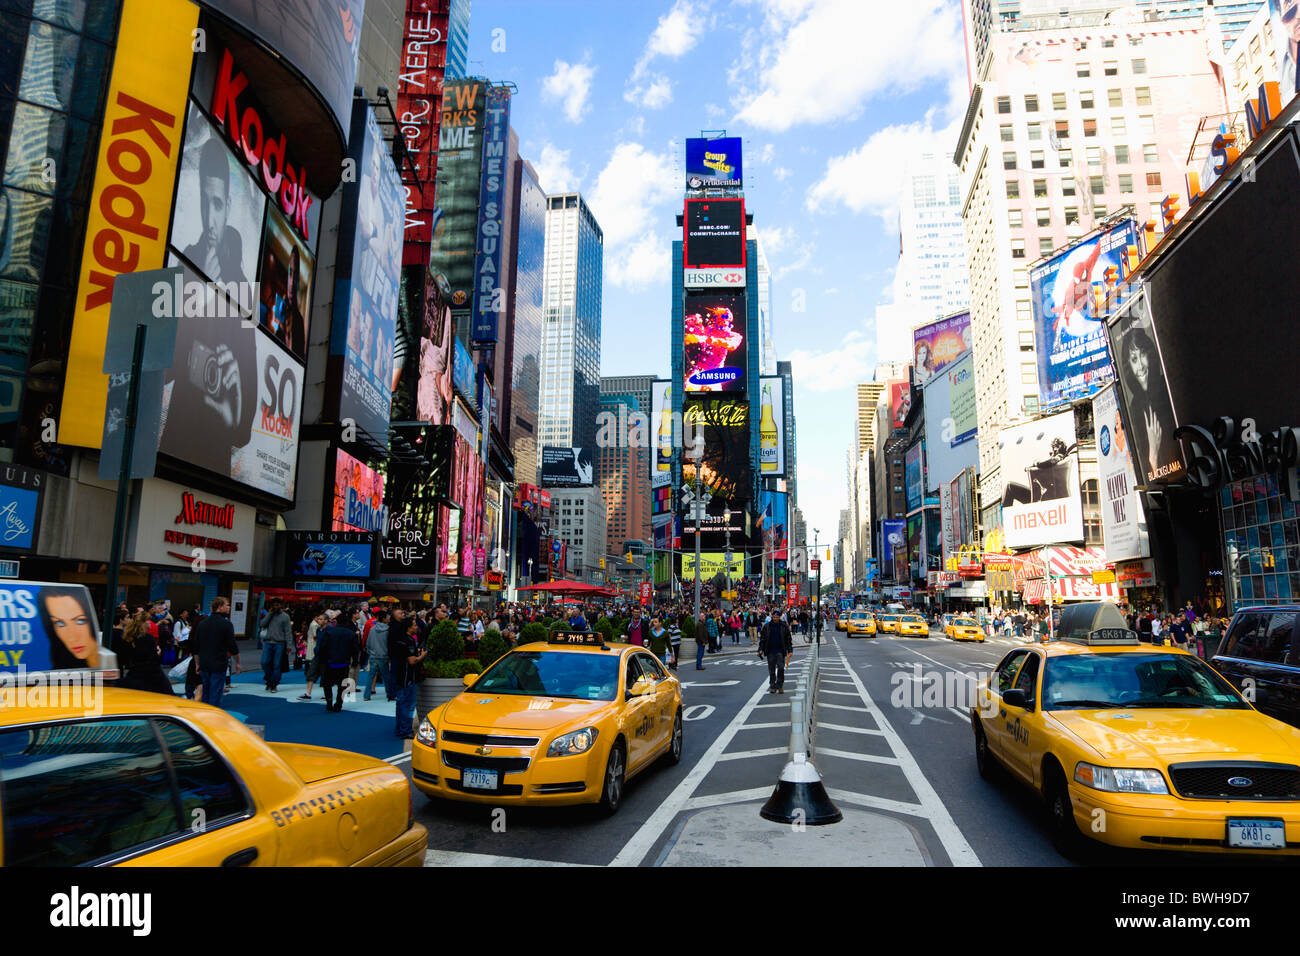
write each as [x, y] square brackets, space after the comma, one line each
[479, 779]
[1257, 834]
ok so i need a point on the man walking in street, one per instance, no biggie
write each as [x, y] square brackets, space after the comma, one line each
[407, 657]
[377, 650]
[636, 629]
[279, 633]
[214, 640]
[337, 648]
[776, 644]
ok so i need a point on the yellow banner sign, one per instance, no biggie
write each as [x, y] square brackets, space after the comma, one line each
[131, 203]
[712, 564]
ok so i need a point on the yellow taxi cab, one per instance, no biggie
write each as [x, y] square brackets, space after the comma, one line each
[1138, 745]
[98, 775]
[861, 622]
[946, 624]
[567, 721]
[888, 624]
[965, 629]
[842, 620]
[913, 624]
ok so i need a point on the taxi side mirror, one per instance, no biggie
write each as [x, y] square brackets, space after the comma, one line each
[642, 687]
[469, 680]
[1015, 697]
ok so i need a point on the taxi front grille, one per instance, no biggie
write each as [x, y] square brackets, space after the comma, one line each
[479, 740]
[462, 761]
[1209, 781]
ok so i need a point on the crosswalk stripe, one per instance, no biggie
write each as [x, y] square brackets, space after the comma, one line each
[822, 725]
[745, 754]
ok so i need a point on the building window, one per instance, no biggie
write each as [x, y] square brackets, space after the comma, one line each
[1028, 373]
[1099, 213]
[1040, 188]
[1026, 341]
[1143, 95]
[1082, 69]
[1115, 97]
[1008, 160]
[1008, 133]
[1153, 180]
[1066, 157]
[1140, 66]
[1091, 513]
[1036, 160]
[1126, 182]
[1044, 216]
[1121, 155]
[1085, 100]
[1062, 129]
[1067, 187]
[1111, 67]
[1017, 248]
[1031, 103]
[1149, 154]
[1024, 315]
[1148, 125]
[1071, 215]
[1013, 189]
[1014, 218]
[1094, 155]
[1058, 101]
[1157, 214]
[1117, 125]
[1035, 131]
[1107, 44]
[1090, 127]
[1045, 246]
[1097, 184]
[1004, 104]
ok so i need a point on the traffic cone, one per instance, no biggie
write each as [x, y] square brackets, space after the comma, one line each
[799, 797]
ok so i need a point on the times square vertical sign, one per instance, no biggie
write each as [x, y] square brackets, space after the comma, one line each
[489, 295]
[419, 111]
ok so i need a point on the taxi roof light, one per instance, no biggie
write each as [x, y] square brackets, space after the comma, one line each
[1096, 624]
[577, 639]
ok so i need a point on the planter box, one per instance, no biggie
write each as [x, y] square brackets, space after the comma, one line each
[435, 691]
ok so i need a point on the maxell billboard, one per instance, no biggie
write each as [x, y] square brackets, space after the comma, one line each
[489, 293]
[1040, 473]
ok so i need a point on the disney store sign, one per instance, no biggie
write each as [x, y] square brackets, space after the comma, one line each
[1230, 450]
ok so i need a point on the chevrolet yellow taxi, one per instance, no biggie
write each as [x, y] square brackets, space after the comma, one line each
[1137, 745]
[965, 629]
[98, 775]
[861, 622]
[567, 721]
[888, 623]
[842, 621]
[913, 624]
[946, 623]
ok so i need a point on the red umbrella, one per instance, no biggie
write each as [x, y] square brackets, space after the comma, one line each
[580, 588]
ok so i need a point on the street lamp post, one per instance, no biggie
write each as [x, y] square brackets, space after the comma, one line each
[726, 522]
[817, 591]
[696, 454]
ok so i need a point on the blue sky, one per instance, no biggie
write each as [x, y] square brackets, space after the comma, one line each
[830, 96]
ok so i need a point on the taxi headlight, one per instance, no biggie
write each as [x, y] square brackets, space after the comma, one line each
[577, 742]
[1120, 779]
[427, 734]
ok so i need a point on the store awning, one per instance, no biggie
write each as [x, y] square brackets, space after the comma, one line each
[1066, 561]
[1035, 591]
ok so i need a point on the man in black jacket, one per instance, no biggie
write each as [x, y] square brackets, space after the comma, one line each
[213, 640]
[338, 647]
[776, 644]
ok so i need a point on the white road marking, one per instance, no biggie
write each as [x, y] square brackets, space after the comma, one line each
[399, 758]
[453, 858]
[697, 711]
[876, 803]
[635, 850]
[842, 693]
[863, 710]
[917, 717]
[768, 752]
[963, 716]
[850, 730]
[719, 799]
[764, 726]
[851, 755]
[771, 705]
[725, 683]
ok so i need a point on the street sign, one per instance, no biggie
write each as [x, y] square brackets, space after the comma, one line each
[495, 580]
[815, 564]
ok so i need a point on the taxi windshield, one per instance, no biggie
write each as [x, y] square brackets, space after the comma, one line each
[553, 674]
[913, 619]
[964, 622]
[859, 616]
[1103, 681]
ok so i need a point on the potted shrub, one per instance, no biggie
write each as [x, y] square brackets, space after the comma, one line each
[491, 647]
[533, 632]
[440, 682]
[605, 629]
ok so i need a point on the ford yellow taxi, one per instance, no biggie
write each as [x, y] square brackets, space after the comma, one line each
[1136, 745]
[861, 622]
[842, 620]
[888, 624]
[913, 624]
[562, 722]
[98, 775]
[965, 629]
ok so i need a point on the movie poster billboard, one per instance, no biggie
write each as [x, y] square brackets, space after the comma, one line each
[232, 400]
[964, 508]
[566, 467]
[938, 344]
[714, 341]
[285, 280]
[900, 402]
[1073, 361]
[714, 163]
[914, 475]
[893, 545]
[489, 291]
[933, 554]
[419, 108]
[915, 544]
[771, 428]
[1284, 18]
[1144, 389]
[358, 495]
[774, 524]
[714, 234]
[460, 170]
[665, 441]
[726, 470]
[1040, 475]
[1122, 522]
[367, 279]
[947, 519]
[464, 373]
[950, 422]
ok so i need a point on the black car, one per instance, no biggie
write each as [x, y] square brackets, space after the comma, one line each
[1261, 658]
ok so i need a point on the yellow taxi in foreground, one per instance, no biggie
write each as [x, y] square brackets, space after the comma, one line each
[861, 622]
[562, 722]
[965, 629]
[842, 620]
[888, 624]
[1138, 745]
[112, 776]
[913, 624]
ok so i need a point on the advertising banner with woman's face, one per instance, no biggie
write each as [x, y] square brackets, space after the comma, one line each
[1145, 393]
[49, 627]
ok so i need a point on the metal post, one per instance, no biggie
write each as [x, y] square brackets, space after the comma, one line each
[124, 475]
[698, 505]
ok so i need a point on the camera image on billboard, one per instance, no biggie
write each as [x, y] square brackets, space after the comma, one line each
[714, 339]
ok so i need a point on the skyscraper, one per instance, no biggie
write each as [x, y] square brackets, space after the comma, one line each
[458, 39]
[766, 345]
[570, 380]
[932, 247]
[623, 474]
[638, 388]
[525, 300]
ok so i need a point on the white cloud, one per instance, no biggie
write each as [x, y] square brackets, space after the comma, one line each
[805, 49]
[676, 34]
[656, 95]
[632, 183]
[554, 171]
[869, 178]
[570, 84]
[642, 263]
[781, 173]
[831, 291]
[800, 262]
[853, 360]
[766, 153]
[774, 239]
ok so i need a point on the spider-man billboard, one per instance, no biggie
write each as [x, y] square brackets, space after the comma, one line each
[1070, 334]
[714, 341]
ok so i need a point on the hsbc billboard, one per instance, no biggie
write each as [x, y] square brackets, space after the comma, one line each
[713, 278]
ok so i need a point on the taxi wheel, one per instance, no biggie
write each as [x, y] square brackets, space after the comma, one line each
[1069, 841]
[985, 761]
[611, 797]
[674, 754]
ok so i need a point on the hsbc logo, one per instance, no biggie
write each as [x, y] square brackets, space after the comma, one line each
[713, 278]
